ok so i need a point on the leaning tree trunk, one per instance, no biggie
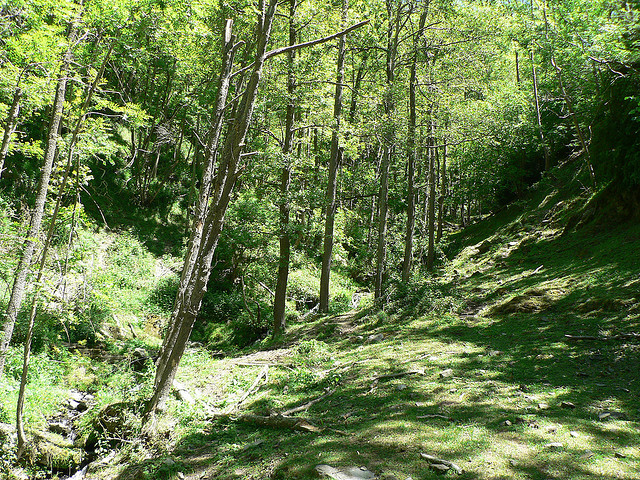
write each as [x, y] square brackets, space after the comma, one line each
[9, 126]
[20, 278]
[280, 297]
[212, 202]
[332, 185]
[215, 194]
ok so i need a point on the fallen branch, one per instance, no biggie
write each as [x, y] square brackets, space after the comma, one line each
[439, 461]
[263, 373]
[309, 404]
[435, 415]
[398, 375]
[621, 336]
[280, 421]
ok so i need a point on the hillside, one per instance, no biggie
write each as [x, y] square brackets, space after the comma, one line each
[518, 360]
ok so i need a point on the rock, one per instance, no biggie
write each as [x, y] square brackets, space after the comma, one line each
[573, 434]
[608, 415]
[375, 338]
[446, 373]
[507, 423]
[140, 359]
[543, 406]
[567, 405]
[114, 421]
[401, 387]
[182, 393]
[619, 455]
[345, 473]
[483, 247]
[79, 401]
[554, 445]
[52, 451]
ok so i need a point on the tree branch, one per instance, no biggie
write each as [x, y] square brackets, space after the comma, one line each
[279, 51]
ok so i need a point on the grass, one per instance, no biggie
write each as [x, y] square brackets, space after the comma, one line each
[497, 321]
[484, 374]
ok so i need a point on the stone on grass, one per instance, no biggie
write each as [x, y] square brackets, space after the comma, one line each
[446, 373]
[377, 338]
[345, 473]
[554, 445]
[567, 405]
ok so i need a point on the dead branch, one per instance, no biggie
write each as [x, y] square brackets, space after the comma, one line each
[309, 403]
[439, 461]
[263, 373]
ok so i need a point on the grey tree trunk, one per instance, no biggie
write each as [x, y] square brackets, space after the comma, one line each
[334, 163]
[20, 277]
[443, 192]
[9, 126]
[432, 194]
[411, 154]
[280, 297]
[536, 96]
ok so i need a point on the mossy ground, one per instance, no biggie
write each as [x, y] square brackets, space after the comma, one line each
[472, 365]
[492, 381]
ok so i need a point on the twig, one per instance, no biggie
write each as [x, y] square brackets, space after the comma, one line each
[398, 375]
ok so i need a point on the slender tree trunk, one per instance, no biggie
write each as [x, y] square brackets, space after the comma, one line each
[22, 439]
[9, 126]
[411, 154]
[576, 123]
[536, 96]
[432, 194]
[393, 32]
[20, 278]
[383, 206]
[334, 163]
[443, 192]
[280, 297]
[212, 202]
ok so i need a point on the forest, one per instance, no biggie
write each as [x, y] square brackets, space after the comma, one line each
[298, 239]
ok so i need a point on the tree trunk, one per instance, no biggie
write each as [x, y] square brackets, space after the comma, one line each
[280, 297]
[443, 192]
[433, 152]
[9, 126]
[212, 201]
[20, 278]
[536, 96]
[382, 222]
[214, 198]
[411, 154]
[334, 162]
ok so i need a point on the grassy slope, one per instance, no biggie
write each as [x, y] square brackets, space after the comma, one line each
[497, 319]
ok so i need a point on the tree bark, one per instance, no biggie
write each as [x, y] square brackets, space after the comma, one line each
[334, 163]
[20, 277]
[433, 152]
[9, 126]
[280, 297]
[212, 202]
[536, 96]
[411, 154]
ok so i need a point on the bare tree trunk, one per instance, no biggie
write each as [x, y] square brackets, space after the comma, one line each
[20, 278]
[9, 126]
[383, 206]
[280, 297]
[432, 194]
[411, 156]
[334, 162]
[22, 439]
[443, 192]
[576, 123]
[545, 148]
[211, 207]
[214, 198]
